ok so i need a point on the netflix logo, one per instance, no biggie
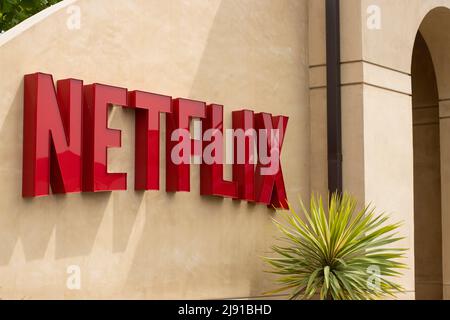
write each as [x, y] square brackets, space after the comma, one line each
[66, 138]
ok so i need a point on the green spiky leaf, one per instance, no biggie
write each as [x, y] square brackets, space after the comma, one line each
[333, 253]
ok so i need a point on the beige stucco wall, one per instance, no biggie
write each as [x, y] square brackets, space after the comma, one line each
[377, 109]
[259, 54]
[396, 54]
[243, 54]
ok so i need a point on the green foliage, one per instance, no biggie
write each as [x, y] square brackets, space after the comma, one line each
[339, 254]
[13, 12]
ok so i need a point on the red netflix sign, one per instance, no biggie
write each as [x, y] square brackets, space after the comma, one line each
[66, 138]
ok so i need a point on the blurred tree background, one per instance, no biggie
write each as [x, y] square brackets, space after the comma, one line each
[13, 12]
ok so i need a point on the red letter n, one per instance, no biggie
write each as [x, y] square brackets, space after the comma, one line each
[51, 136]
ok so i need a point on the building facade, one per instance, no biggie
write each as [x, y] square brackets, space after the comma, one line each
[265, 55]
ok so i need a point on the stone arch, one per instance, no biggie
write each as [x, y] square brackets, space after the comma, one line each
[433, 30]
[427, 174]
[377, 100]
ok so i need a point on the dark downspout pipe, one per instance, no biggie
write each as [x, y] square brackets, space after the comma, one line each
[334, 124]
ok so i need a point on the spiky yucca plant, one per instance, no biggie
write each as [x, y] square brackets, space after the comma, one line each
[339, 254]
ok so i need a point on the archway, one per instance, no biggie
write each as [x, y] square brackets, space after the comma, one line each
[431, 231]
[427, 175]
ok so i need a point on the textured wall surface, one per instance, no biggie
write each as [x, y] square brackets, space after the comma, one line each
[242, 54]
[377, 114]
[257, 54]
